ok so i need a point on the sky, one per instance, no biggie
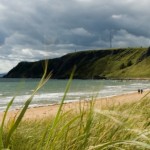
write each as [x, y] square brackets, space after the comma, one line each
[32, 30]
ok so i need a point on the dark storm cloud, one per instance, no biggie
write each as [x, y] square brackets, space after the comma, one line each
[37, 29]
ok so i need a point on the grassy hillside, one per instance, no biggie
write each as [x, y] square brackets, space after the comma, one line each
[111, 63]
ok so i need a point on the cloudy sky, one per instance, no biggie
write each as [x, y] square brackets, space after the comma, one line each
[37, 29]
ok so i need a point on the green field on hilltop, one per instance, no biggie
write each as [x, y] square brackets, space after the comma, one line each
[92, 64]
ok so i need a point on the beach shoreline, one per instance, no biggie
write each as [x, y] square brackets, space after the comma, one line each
[41, 112]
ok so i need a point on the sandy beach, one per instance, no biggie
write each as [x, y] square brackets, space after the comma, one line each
[101, 103]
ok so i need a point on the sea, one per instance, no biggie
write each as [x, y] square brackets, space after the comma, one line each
[52, 92]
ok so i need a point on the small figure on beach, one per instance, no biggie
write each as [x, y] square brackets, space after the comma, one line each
[140, 91]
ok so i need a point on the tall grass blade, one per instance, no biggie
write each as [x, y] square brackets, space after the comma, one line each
[88, 126]
[1, 140]
[108, 114]
[47, 129]
[3, 121]
[114, 143]
[68, 124]
[19, 118]
[56, 120]
[28, 101]
[6, 111]
[64, 97]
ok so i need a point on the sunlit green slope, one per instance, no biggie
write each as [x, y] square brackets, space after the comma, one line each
[92, 64]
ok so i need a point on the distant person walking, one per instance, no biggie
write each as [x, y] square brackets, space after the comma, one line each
[140, 91]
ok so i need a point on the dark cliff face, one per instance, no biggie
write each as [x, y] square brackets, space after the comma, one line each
[98, 64]
[26, 70]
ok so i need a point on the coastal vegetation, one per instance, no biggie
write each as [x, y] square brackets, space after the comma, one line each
[127, 63]
[124, 126]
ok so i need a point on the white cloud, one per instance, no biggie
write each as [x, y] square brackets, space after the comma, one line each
[117, 16]
[85, 1]
[124, 39]
[29, 54]
[6, 65]
[80, 31]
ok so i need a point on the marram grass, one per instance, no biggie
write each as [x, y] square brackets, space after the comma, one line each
[124, 127]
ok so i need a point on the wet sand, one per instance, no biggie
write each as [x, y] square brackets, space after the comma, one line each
[101, 103]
